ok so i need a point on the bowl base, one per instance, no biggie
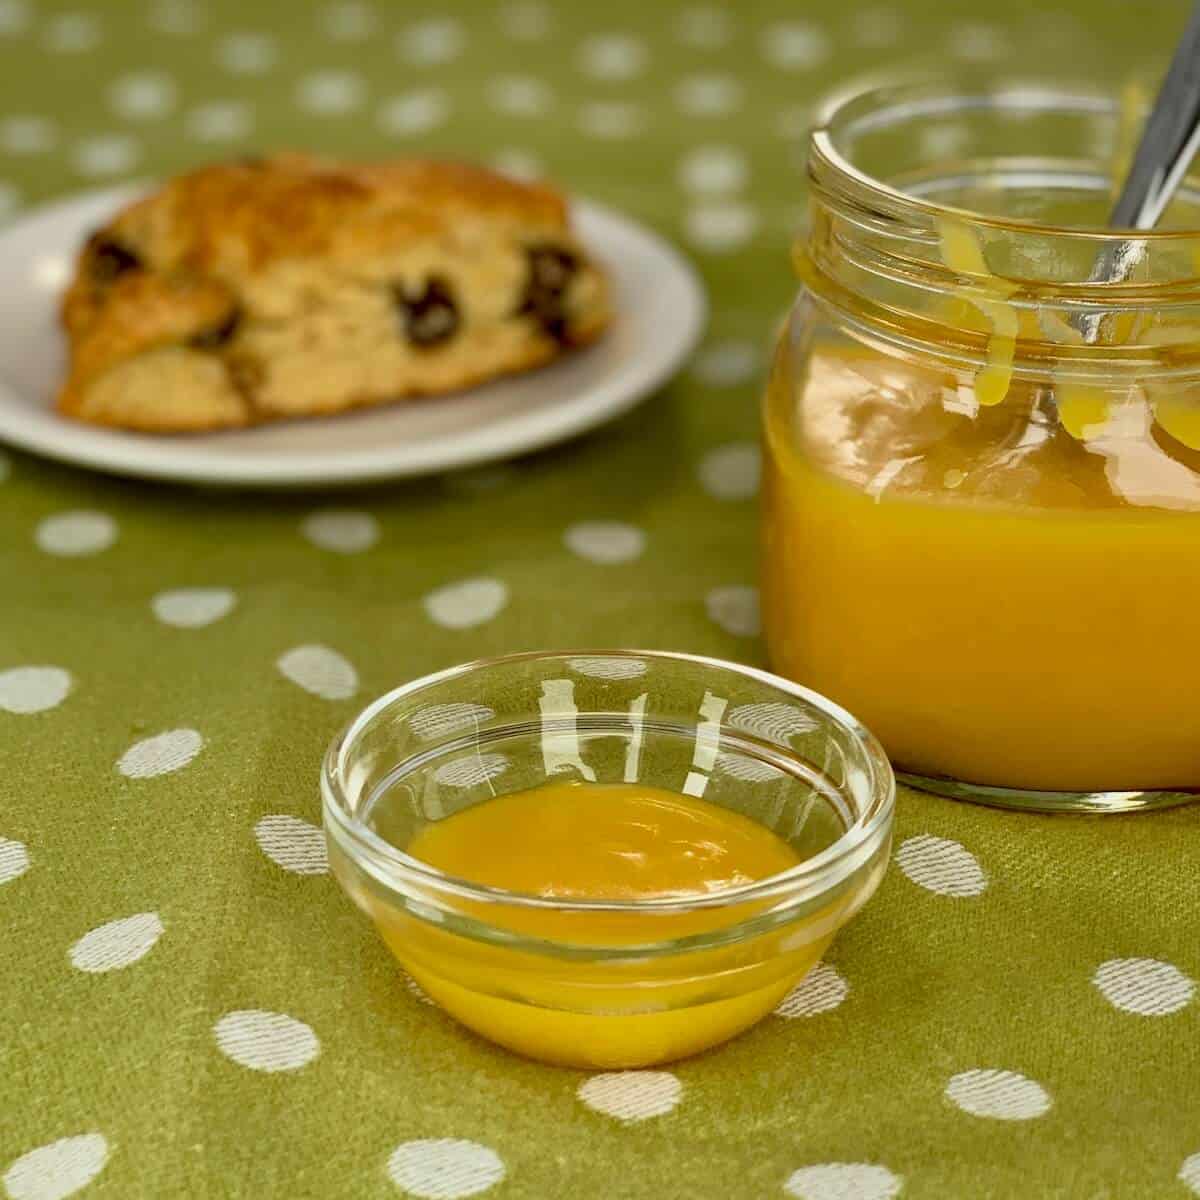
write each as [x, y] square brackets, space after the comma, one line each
[602, 1041]
[1025, 800]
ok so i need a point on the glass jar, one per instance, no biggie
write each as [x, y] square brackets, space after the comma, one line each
[982, 488]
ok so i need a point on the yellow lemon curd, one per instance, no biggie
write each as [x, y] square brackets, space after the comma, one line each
[1006, 595]
[577, 986]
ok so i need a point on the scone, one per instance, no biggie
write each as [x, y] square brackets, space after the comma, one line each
[292, 286]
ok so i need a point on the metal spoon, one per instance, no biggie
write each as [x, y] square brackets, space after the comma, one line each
[1169, 139]
[1168, 144]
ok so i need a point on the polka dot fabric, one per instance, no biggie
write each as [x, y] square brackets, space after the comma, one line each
[189, 1005]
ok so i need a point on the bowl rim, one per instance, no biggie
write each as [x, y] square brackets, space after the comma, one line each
[807, 879]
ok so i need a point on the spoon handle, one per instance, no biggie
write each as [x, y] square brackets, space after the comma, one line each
[1169, 140]
[1166, 148]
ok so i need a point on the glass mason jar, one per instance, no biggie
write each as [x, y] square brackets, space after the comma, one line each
[982, 493]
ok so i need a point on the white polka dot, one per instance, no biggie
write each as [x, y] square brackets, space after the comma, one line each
[414, 112]
[843, 1181]
[440, 720]
[526, 20]
[1001, 1095]
[417, 991]
[820, 991]
[705, 27]
[220, 121]
[708, 95]
[33, 689]
[520, 96]
[266, 1041]
[180, 18]
[72, 33]
[606, 542]
[444, 1168]
[611, 120]
[612, 56]
[10, 199]
[735, 609]
[144, 95]
[939, 141]
[248, 53]
[941, 865]
[57, 1170]
[350, 21]
[731, 472]
[1189, 1173]
[331, 93]
[877, 27]
[721, 226]
[116, 944]
[772, 721]
[292, 844]
[977, 42]
[1146, 987]
[713, 169]
[191, 608]
[106, 154]
[319, 670]
[631, 1096]
[746, 769]
[73, 534]
[341, 530]
[27, 135]
[14, 16]
[795, 45]
[437, 40]
[472, 771]
[521, 165]
[465, 604]
[161, 754]
[608, 668]
[725, 364]
[14, 859]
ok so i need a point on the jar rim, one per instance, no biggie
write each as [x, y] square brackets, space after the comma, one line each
[390, 866]
[873, 102]
[885, 207]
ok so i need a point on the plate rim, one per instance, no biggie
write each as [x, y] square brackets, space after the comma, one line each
[123, 453]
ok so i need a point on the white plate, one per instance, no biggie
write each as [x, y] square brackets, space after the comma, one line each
[660, 311]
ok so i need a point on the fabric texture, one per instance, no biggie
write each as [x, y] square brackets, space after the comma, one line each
[188, 1004]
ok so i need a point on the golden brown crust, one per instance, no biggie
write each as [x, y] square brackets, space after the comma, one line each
[241, 217]
[287, 266]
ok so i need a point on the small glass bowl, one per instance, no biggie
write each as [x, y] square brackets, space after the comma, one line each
[597, 983]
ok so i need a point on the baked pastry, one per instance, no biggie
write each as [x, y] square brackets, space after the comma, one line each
[291, 286]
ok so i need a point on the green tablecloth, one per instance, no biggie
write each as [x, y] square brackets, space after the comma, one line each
[188, 1005]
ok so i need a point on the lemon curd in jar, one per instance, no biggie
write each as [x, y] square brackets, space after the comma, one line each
[991, 609]
[982, 529]
[595, 842]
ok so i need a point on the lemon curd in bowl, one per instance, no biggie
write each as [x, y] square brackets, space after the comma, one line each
[610, 859]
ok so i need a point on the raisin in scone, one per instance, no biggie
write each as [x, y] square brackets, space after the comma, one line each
[291, 286]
